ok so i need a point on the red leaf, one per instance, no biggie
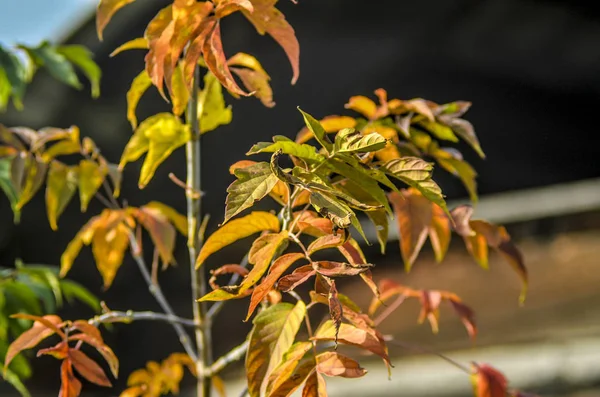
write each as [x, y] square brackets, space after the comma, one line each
[277, 269]
[70, 385]
[267, 19]
[488, 381]
[88, 368]
[216, 61]
[430, 304]
[104, 350]
[87, 328]
[59, 351]
[335, 364]
[298, 276]
[465, 313]
[42, 328]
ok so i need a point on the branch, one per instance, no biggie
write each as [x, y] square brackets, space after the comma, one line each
[160, 297]
[235, 354]
[130, 316]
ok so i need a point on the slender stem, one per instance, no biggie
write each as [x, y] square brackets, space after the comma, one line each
[130, 316]
[194, 217]
[390, 309]
[156, 291]
[235, 354]
[422, 349]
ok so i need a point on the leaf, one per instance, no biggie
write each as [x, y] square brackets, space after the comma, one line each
[70, 386]
[338, 212]
[267, 19]
[57, 64]
[16, 74]
[161, 232]
[106, 10]
[262, 252]
[27, 174]
[178, 220]
[81, 57]
[351, 335]
[416, 173]
[488, 381]
[275, 272]
[335, 364]
[42, 328]
[5, 91]
[295, 380]
[315, 386]
[289, 147]
[340, 269]
[61, 185]
[329, 124]
[159, 135]
[284, 372]
[349, 140]
[465, 130]
[362, 105]
[219, 385]
[317, 131]
[91, 176]
[335, 308]
[139, 86]
[141, 43]
[325, 242]
[237, 229]
[254, 182]
[159, 33]
[11, 377]
[253, 76]
[226, 7]
[88, 368]
[298, 276]
[439, 232]
[454, 164]
[438, 130]
[71, 290]
[105, 351]
[215, 59]
[211, 106]
[272, 335]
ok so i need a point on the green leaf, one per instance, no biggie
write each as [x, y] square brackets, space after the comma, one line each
[338, 212]
[5, 89]
[57, 64]
[81, 57]
[318, 131]
[416, 173]
[61, 185]
[72, 290]
[7, 186]
[288, 147]
[253, 183]
[14, 380]
[349, 140]
[139, 86]
[16, 73]
[211, 105]
[21, 298]
[272, 335]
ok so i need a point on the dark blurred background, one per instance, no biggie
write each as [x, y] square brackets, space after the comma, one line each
[531, 69]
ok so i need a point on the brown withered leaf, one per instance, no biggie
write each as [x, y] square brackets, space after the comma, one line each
[461, 216]
[225, 269]
[315, 386]
[488, 381]
[268, 19]
[340, 269]
[277, 269]
[88, 368]
[335, 364]
[70, 386]
[298, 276]
[335, 308]
[42, 328]
[352, 335]
[106, 10]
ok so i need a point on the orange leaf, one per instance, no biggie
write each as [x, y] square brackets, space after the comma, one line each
[215, 59]
[88, 368]
[194, 50]
[160, 229]
[104, 350]
[335, 364]
[298, 276]
[59, 351]
[226, 7]
[70, 385]
[262, 252]
[315, 386]
[267, 19]
[352, 335]
[430, 304]
[159, 33]
[106, 9]
[42, 328]
[488, 381]
[277, 269]
[439, 232]
[362, 105]
[327, 241]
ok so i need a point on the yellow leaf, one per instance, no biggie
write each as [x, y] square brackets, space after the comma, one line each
[330, 124]
[211, 105]
[61, 185]
[262, 252]
[255, 78]
[159, 135]
[237, 229]
[28, 175]
[178, 220]
[141, 43]
[84, 236]
[106, 9]
[219, 385]
[69, 142]
[362, 105]
[139, 86]
[91, 176]
[179, 91]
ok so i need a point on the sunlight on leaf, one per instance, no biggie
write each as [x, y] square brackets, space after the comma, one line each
[106, 10]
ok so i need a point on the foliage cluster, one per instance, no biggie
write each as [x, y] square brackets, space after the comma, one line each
[375, 165]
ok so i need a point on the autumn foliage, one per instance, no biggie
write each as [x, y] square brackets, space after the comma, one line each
[373, 164]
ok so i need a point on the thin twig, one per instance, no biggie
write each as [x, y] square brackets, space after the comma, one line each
[422, 349]
[103, 200]
[156, 291]
[218, 306]
[130, 316]
[297, 241]
[388, 310]
[235, 354]
[193, 193]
